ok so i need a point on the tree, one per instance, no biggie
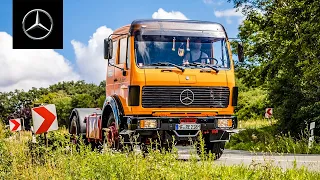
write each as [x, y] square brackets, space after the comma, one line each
[62, 101]
[82, 101]
[281, 40]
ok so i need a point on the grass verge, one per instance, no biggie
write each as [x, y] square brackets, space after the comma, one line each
[255, 123]
[61, 160]
[267, 139]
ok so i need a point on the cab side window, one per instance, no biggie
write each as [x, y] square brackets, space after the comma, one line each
[123, 50]
[114, 52]
[128, 53]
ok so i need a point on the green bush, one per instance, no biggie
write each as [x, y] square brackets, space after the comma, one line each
[252, 102]
[5, 162]
[38, 151]
[268, 139]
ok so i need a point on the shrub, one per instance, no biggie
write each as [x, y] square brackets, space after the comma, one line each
[268, 139]
[251, 102]
[57, 140]
[5, 162]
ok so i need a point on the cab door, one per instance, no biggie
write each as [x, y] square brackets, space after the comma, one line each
[121, 80]
[111, 69]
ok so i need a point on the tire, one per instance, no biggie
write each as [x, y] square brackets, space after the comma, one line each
[215, 148]
[74, 129]
[75, 132]
[111, 134]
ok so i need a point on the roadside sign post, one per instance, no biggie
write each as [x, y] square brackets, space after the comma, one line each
[46, 139]
[311, 138]
[23, 126]
[44, 120]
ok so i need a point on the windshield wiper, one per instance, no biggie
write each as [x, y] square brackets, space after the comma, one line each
[168, 64]
[204, 65]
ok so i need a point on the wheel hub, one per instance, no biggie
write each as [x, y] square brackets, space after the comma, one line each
[112, 135]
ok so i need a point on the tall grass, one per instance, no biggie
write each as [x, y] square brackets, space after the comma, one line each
[255, 123]
[62, 160]
[268, 139]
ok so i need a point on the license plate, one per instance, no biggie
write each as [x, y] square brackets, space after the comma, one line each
[188, 126]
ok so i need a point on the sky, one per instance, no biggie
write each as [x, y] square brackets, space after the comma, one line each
[86, 24]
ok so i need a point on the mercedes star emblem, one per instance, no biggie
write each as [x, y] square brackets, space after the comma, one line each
[186, 97]
[37, 24]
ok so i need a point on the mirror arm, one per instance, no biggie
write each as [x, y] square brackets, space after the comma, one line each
[122, 69]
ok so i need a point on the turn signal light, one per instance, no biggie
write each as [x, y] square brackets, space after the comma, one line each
[148, 124]
[224, 123]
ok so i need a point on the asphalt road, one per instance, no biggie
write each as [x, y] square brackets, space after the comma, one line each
[237, 157]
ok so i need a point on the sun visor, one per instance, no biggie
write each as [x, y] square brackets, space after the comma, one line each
[178, 28]
[144, 32]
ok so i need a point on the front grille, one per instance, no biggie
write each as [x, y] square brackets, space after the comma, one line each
[169, 97]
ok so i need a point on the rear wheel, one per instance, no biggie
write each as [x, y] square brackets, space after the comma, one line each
[74, 129]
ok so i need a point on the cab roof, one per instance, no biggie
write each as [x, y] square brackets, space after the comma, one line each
[168, 24]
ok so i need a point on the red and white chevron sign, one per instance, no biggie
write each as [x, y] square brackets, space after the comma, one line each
[268, 113]
[44, 119]
[15, 124]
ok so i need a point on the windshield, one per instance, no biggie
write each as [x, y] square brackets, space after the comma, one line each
[151, 50]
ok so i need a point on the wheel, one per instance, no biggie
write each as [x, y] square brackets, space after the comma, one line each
[111, 134]
[74, 129]
[215, 148]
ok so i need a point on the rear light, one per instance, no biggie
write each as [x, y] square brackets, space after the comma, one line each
[214, 131]
[188, 120]
[224, 123]
[151, 124]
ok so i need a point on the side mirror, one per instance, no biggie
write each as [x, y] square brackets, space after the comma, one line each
[240, 53]
[108, 49]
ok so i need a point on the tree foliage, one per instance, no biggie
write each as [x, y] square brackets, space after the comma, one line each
[65, 95]
[281, 39]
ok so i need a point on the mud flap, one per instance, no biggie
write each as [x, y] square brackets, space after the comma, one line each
[126, 136]
[220, 136]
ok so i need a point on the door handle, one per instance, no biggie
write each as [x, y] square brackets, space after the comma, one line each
[115, 80]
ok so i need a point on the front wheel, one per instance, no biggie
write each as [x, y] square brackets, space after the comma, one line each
[216, 148]
[111, 134]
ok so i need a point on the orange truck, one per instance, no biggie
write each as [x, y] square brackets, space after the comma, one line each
[166, 81]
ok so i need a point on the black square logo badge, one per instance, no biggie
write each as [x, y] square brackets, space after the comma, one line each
[37, 24]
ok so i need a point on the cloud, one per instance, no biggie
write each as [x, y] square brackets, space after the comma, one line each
[89, 58]
[231, 13]
[208, 1]
[214, 2]
[24, 69]
[162, 14]
[27, 68]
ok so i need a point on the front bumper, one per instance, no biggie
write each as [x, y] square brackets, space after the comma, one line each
[166, 127]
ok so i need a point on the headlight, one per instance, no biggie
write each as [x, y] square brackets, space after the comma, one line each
[224, 123]
[148, 123]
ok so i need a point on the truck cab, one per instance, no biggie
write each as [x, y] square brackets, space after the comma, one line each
[166, 80]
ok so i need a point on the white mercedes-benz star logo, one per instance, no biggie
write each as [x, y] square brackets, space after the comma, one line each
[37, 24]
[186, 97]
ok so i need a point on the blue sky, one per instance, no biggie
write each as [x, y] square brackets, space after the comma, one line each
[82, 18]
